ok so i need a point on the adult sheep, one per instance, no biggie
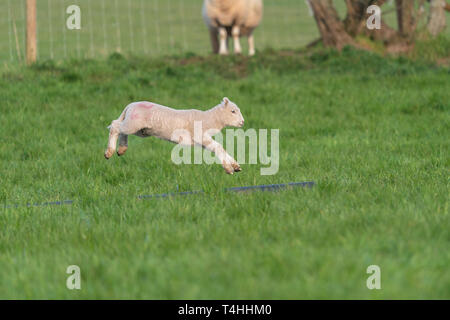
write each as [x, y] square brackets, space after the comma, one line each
[234, 18]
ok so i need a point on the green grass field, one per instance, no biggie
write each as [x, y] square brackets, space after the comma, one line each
[372, 132]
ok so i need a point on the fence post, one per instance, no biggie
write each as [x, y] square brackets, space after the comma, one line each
[31, 31]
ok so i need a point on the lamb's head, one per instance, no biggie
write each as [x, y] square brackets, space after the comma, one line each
[231, 114]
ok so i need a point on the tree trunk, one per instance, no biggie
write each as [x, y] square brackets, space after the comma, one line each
[337, 33]
[356, 10]
[385, 34]
[437, 19]
[405, 17]
[355, 21]
[331, 28]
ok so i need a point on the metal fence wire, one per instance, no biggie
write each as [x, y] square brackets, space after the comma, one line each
[139, 27]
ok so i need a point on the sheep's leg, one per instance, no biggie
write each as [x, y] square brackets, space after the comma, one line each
[223, 41]
[123, 144]
[251, 45]
[113, 135]
[214, 40]
[228, 163]
[235, 32]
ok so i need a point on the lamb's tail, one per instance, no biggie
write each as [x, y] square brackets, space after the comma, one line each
[121, 117]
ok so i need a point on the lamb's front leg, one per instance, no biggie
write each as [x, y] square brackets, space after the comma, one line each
[114, 131]
[228, 163]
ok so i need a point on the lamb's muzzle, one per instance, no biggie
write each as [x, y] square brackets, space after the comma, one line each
[145, 119]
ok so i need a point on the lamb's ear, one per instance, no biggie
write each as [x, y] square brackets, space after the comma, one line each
[225, 101]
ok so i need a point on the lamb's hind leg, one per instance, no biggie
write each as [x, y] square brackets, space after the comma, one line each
[123, 144]
[114, 131]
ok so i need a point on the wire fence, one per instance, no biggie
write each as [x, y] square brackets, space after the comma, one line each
[139, 27]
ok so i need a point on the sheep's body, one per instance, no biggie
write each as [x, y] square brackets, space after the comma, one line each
[146, 119]
[234, 18]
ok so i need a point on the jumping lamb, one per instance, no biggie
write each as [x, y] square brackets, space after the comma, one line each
[234, 18]
[145, 119]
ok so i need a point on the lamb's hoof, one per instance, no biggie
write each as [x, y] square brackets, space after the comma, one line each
[223, 53]
[236, 167]
[228, 168]
[121, 151]
[108, 154]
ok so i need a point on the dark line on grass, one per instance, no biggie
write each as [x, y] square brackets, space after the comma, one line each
[267, 187]
[53, 203]
[171, 194]
[272, 187]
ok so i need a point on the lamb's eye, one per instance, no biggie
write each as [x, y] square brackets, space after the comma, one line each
[233, 111]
